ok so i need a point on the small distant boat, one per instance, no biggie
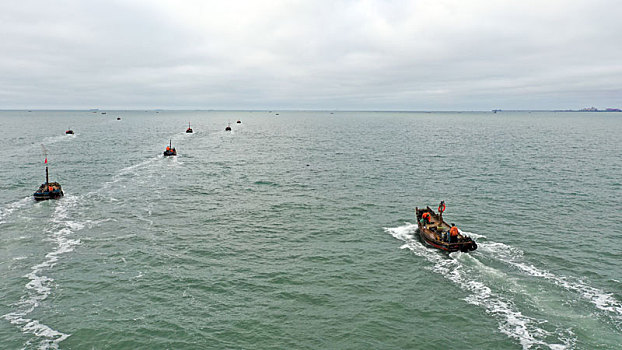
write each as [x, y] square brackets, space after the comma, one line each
[189, 130]
[48, 190]
[103, 112]
[239, 121]
[69, 132]
[118, 118]
[170, 150]
[435, 232]
[228, 128]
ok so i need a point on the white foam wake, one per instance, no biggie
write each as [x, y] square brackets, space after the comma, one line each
[40, 286]
[510, 320]
[603, 301]
[11, 207]
[58, 138]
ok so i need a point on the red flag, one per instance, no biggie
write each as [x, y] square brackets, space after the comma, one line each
[46, 160]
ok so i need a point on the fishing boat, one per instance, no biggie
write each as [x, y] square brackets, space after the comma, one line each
[69, 132]
[48, 190]
[189, 130]
[228, 128]
[239, 121]
[435, 232]
[170, 150]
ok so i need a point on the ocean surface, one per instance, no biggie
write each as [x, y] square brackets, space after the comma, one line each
[297, 230]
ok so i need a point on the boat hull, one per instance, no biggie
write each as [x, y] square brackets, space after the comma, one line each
[42, 196]
[43, 193]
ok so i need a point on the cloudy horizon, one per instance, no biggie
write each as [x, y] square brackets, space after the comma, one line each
[329, 55]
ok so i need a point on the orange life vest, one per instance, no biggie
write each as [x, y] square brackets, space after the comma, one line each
[426, 215]
[453, 231]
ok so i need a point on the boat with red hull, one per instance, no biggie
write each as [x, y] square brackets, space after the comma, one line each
[435, 232]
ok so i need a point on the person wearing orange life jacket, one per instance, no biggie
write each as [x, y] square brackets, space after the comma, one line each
[50, 188]
[453, 234]
[425, 218]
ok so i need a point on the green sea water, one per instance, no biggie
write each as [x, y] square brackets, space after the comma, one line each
[297, 230]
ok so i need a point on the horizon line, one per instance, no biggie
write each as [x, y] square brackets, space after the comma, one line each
[302, 110]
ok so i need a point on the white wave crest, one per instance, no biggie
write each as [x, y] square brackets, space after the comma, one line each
[471, 234]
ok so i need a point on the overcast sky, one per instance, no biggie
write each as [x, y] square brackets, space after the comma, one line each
[312, 54]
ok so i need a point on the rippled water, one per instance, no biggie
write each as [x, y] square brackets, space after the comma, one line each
[296, 231]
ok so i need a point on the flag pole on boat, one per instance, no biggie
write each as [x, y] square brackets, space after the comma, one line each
[45, 154]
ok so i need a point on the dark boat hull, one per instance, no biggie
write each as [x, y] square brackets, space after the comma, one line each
[448, 247]
[43, 193]
[42, 196]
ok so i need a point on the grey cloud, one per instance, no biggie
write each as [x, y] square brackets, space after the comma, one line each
[417, 55]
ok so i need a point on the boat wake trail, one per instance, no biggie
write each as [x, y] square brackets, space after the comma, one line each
[11, 207]
[603, 301]
[54, 139]
[472, 276]
[40, 286]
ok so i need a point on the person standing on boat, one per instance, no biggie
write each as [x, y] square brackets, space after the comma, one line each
[453, 234]
[441, 209]
[425, 218]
